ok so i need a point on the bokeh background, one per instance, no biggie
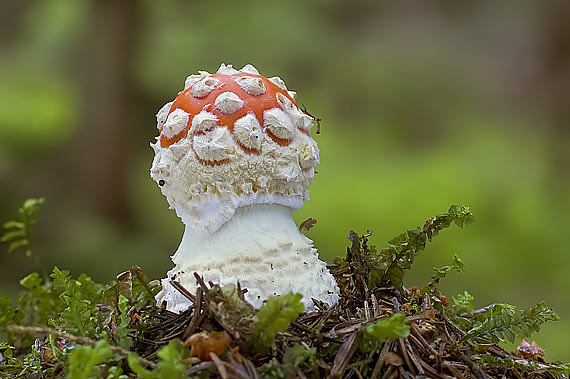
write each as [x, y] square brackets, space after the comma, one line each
[424, 104]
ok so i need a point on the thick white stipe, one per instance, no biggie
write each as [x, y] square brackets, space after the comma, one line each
[261, 247]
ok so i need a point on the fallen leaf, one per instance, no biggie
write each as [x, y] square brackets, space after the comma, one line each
[307, 224]
[530, 350]
[48, 357]
[203, 343]
[393, 359]
[125, 284]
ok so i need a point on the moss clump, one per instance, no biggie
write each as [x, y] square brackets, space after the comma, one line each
[73, 327]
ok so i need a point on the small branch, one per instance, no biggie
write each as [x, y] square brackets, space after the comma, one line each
[317, 119]
[477, 372]
[346, 351]
[481, 310]
[453, 370]
[406, 356]
[22, 329]
[197, 316]
[183, 291]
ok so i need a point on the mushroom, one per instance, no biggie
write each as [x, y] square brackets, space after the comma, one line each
[234, 158]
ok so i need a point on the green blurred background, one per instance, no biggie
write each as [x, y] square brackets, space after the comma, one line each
[423, 105]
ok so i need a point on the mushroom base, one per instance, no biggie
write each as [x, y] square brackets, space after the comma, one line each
[262, 248]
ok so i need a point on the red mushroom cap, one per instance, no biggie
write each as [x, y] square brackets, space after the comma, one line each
[272, 97]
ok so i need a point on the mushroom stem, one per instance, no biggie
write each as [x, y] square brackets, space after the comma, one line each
[262, 248]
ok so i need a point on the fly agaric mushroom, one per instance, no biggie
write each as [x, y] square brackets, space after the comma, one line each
[234, 158]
